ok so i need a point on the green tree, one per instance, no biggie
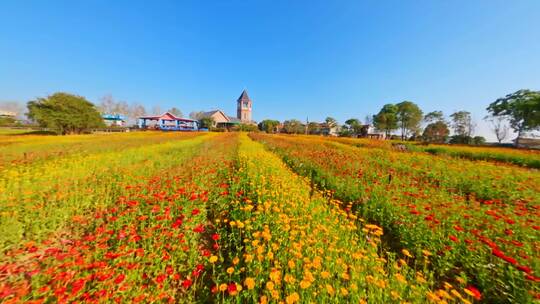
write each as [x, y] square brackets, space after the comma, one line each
[434, 117]
[521, 108]
[314, 128]
[355, 126]
[65, 113]
[462, 124]
[176, 112]
[268, 125]
[331, 122]
[436, 132]
[479, 140]
[386, 119]
[206, 122]
[293, 126]
[409, 117]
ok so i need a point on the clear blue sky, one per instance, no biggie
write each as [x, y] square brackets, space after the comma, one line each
[297, 59]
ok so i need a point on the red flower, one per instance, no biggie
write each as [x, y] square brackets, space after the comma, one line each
[458, 228]
[199, 228]
[524, 269]
[232, 288]
[510, 260]
[195, 211]
[187, 283]
[454, 239]
[215, 236]
[476, 293]
[119, 279]
[160, 278]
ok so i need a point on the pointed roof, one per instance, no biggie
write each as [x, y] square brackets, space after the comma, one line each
[244, 96]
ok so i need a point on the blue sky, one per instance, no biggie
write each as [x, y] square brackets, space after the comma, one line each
[297, 59]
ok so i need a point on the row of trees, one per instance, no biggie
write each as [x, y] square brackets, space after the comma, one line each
[519, 111]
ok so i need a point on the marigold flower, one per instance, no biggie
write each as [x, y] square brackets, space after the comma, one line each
[230, 270]
[250, 283]
[292, 298]
[213, 259]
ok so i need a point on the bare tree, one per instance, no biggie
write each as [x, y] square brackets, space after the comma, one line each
[196, 115]
[121, 107]
[499, 127]
[156, 110]
[136, 110]
[107, 104]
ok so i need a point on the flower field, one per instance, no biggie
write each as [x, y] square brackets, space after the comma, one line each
[154, 217]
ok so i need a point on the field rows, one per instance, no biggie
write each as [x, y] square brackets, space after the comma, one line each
[227, 218]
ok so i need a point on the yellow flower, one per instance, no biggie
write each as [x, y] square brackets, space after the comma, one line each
[275, 276]
[330, 289]
[344, 291]
[213, 259]
[293, 298]
[291, 264]
[305, 284]
[270, 285]
[250, 283]
[289, 279]
[325, 274]
[263, 300]
[222, 287]
[235, 260]
[406, 253]
[230, 270]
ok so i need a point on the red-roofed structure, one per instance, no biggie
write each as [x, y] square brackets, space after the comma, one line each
[167, 122]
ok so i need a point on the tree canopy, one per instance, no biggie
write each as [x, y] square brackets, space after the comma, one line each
[409, 117]
[436, 132]
[268, 125]
[386, 119]
[521, 108]
[462, 123]
[65, 113]
[293, 126]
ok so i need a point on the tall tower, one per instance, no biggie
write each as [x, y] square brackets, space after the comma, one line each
[243, 111]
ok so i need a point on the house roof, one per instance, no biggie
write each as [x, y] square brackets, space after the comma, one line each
[167, 116]
[212, 113]
[243, 97]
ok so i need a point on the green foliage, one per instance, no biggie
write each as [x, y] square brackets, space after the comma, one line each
[434, 116]
[462, 124]
[479, 140]
[409, 117]
[461, 139]
[293, 126]
[268, 125]
[436, 132]
[314, 128]
[330, 122]
[206, 122]
[7, 121]
[65, 113]
[386, 120]
[247, 128]
[522, 109]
